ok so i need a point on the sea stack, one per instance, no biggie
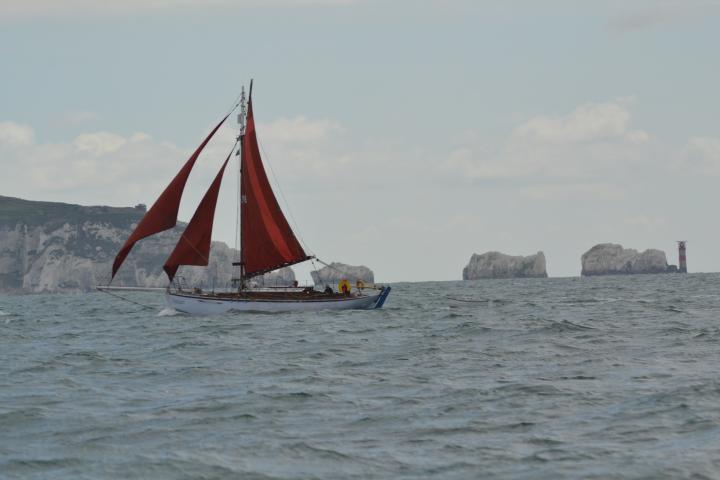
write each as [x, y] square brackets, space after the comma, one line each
[499, 265]
[331, 275]
[613, 259]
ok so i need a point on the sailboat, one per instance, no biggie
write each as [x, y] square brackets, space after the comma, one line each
[267, 242]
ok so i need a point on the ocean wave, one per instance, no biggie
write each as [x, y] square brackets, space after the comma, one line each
[557, 382]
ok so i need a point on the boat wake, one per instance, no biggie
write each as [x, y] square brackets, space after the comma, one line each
[168, 312]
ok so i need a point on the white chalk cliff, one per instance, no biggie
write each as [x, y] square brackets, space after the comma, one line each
[613, 259]
[57, 247]
[499, 265]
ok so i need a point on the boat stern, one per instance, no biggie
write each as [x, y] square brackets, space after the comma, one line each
[384, 293]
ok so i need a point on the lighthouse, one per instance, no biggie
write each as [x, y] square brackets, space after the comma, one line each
[682, 262]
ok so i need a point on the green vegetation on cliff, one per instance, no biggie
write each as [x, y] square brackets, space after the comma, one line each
[32, 213]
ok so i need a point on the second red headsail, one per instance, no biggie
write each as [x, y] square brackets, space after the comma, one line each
[193, 248]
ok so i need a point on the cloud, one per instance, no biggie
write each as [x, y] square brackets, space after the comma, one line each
[702, 156]
[19, 9]
[100, 143]
[586, 152]
[102, 163]
[105, 167]
[590, 122]
[13, 135]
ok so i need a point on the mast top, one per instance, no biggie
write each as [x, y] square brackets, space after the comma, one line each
[242, 115]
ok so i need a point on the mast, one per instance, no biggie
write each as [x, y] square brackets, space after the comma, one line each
[241, 119]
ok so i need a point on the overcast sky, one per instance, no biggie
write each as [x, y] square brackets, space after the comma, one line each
[406, 135]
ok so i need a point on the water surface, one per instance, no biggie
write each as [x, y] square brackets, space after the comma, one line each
[613, 377]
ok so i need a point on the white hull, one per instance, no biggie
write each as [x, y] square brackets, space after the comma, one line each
[195, 304]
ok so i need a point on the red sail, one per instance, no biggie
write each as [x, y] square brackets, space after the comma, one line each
[268, 242]
[163, 214]
[193, 248]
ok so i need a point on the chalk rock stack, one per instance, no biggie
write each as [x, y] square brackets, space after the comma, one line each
[500, 265]
[337, 271]
[613, 259]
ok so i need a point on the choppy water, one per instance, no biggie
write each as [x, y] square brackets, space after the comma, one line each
[614, 377]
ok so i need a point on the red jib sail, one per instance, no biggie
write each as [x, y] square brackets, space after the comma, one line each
[163, 214]
[267, 242]
[193, 248]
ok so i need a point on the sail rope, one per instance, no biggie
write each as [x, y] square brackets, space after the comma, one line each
[147, 307]
[236, 103]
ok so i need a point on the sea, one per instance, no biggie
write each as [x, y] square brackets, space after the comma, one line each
[612, 377]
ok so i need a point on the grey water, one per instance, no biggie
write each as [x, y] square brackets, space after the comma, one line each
[613, 377]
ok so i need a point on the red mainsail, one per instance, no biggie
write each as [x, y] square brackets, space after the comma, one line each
[163, 214]
[267, 241]
[193, 248]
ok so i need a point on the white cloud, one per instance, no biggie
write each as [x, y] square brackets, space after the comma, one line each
[590, 146]
[637, 137]
[590, 122]
[104, 167]
[99, 164]
[14, 135]
[99, 143]
[702, 156]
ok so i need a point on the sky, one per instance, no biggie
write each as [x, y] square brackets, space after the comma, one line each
[404, 135]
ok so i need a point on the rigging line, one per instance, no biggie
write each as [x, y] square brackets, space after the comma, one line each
[147, 307]
[282, 195]
[315, 269]
[236, 103]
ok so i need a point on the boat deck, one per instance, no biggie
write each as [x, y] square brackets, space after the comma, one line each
[307, 294]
